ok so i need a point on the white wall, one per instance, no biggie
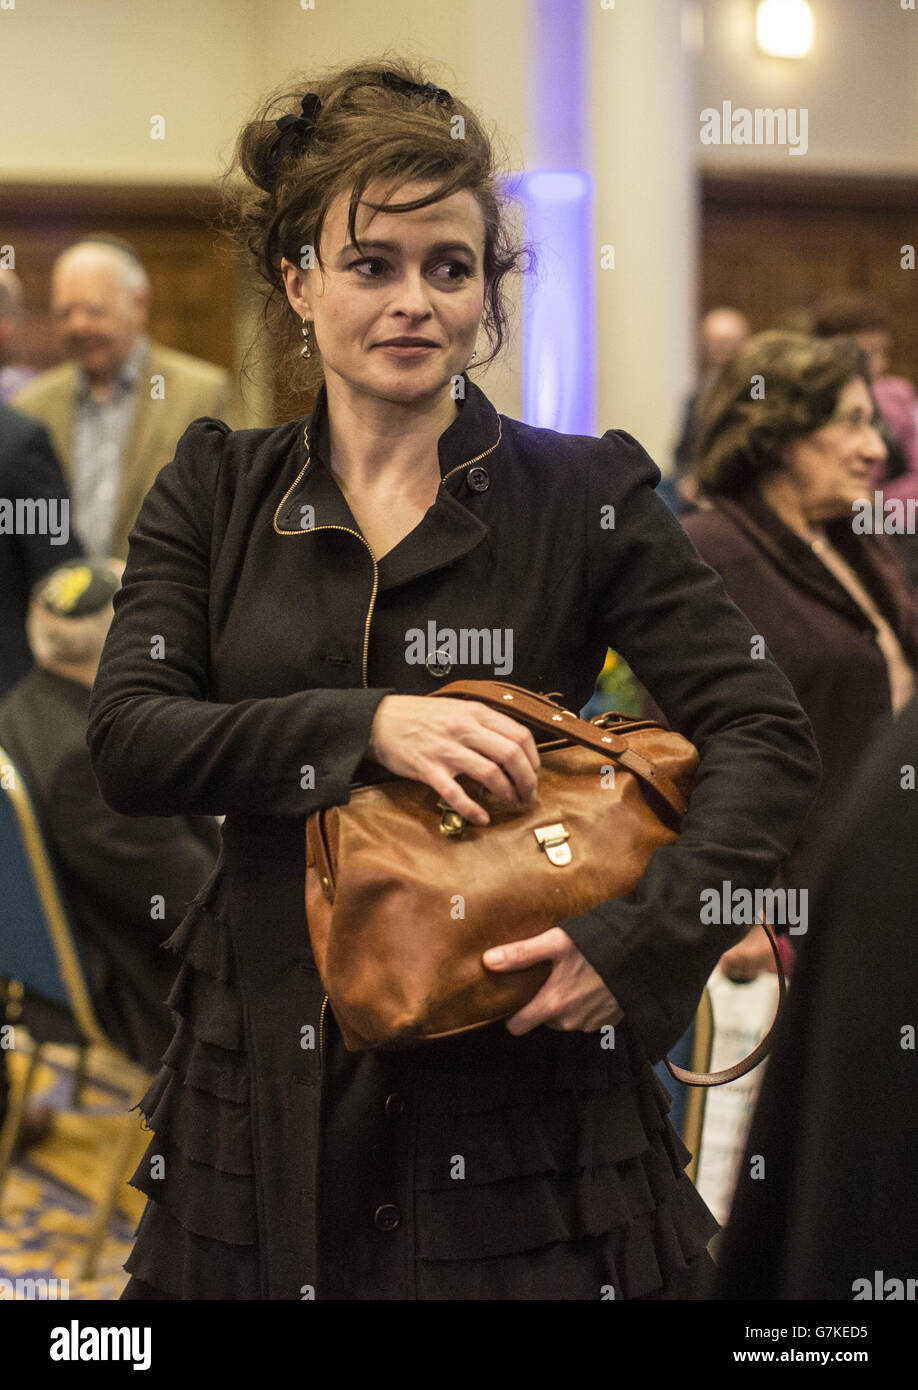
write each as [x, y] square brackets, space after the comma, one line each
[859, 84]
[80, 82]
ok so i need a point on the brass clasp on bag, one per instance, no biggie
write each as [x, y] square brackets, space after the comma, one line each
[553, 839]
[452, 823]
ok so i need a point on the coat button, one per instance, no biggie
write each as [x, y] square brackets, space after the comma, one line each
[438, 663]
[387, 1217]
[479, 479]
[395, 1105]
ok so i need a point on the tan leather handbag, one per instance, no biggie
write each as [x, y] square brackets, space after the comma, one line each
[403, 895]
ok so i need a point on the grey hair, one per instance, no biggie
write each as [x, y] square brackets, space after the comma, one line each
[130, 270]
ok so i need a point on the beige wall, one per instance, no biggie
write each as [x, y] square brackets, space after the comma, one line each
[81, 81]
[859, 84]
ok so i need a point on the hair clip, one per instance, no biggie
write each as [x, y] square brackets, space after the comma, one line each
[295, 131]
[427, 91]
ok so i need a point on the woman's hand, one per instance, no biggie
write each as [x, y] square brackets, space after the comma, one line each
[436, 741]
[752, 955]
[573, 998]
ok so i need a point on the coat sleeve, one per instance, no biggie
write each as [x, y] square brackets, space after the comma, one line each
[36, 475]
[159, 745]
[655, 601]
[118, 863]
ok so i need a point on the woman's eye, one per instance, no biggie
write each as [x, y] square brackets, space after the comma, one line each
[368, 260]
[463, 270]
[458, 265]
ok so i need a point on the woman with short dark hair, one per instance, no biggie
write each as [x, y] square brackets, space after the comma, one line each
[259, 656]
[787, 446]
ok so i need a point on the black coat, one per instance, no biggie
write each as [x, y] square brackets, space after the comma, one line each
[820, 637]
[29, 468]
[110, 865]
[833, 1213]
[279, 644]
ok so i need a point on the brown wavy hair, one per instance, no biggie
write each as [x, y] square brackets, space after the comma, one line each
[741, 439]
[364, 132]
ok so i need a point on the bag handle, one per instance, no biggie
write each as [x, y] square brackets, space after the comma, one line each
[758, 1054]
[545, 715]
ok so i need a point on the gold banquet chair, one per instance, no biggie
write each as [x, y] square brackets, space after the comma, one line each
[42, 961]
[702, 1048]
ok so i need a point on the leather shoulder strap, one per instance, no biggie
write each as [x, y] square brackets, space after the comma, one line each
[543, 714]
[757, 1055]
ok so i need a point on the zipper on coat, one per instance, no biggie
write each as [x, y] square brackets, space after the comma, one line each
[322, 1034]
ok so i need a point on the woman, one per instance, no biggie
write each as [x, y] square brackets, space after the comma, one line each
[784, 468]
[262, 659]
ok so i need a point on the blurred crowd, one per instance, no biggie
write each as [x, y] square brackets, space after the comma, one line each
[797, 455]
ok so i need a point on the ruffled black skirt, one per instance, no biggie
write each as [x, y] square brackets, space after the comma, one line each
[446, 1172]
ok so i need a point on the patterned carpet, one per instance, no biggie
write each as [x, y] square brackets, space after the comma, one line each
[47, 1205]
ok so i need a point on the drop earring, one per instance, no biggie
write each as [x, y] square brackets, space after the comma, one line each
[305, 351]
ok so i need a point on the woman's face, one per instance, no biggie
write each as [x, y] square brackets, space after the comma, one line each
[829, 469]
[426, 281]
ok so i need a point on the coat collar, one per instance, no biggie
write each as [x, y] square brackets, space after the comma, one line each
[449, 529]
[791, 554]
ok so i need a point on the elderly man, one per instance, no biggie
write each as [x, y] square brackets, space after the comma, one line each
[116, 409]
[721, 335]
[127, 879]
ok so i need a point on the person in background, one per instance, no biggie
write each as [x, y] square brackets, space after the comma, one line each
[780, 472]
[12, 376]
[35, 531]
[835, 1213]
[116, 408]
[127, 880]
[866, 320]
[722, 333]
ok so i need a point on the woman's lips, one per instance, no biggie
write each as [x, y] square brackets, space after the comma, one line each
[414, 351]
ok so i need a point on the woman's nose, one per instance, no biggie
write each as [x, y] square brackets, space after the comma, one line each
[874, 446]
[413, 296]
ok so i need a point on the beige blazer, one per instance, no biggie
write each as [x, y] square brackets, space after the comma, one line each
[190, 387]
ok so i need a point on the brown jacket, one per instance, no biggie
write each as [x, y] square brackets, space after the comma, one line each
[192, 388]
[816, 633]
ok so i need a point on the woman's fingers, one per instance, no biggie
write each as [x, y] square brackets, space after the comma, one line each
[437, 741]
[516, 955]
[454, 796]
[573, 997]
[501, 765]
[513, 731]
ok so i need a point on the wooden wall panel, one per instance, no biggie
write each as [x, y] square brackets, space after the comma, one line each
[194, 270]
[774, 244]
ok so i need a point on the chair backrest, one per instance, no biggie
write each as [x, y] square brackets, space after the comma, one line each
[38, 944]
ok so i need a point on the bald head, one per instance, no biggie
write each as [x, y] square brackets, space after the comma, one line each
[100, 299]
[723, 332]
